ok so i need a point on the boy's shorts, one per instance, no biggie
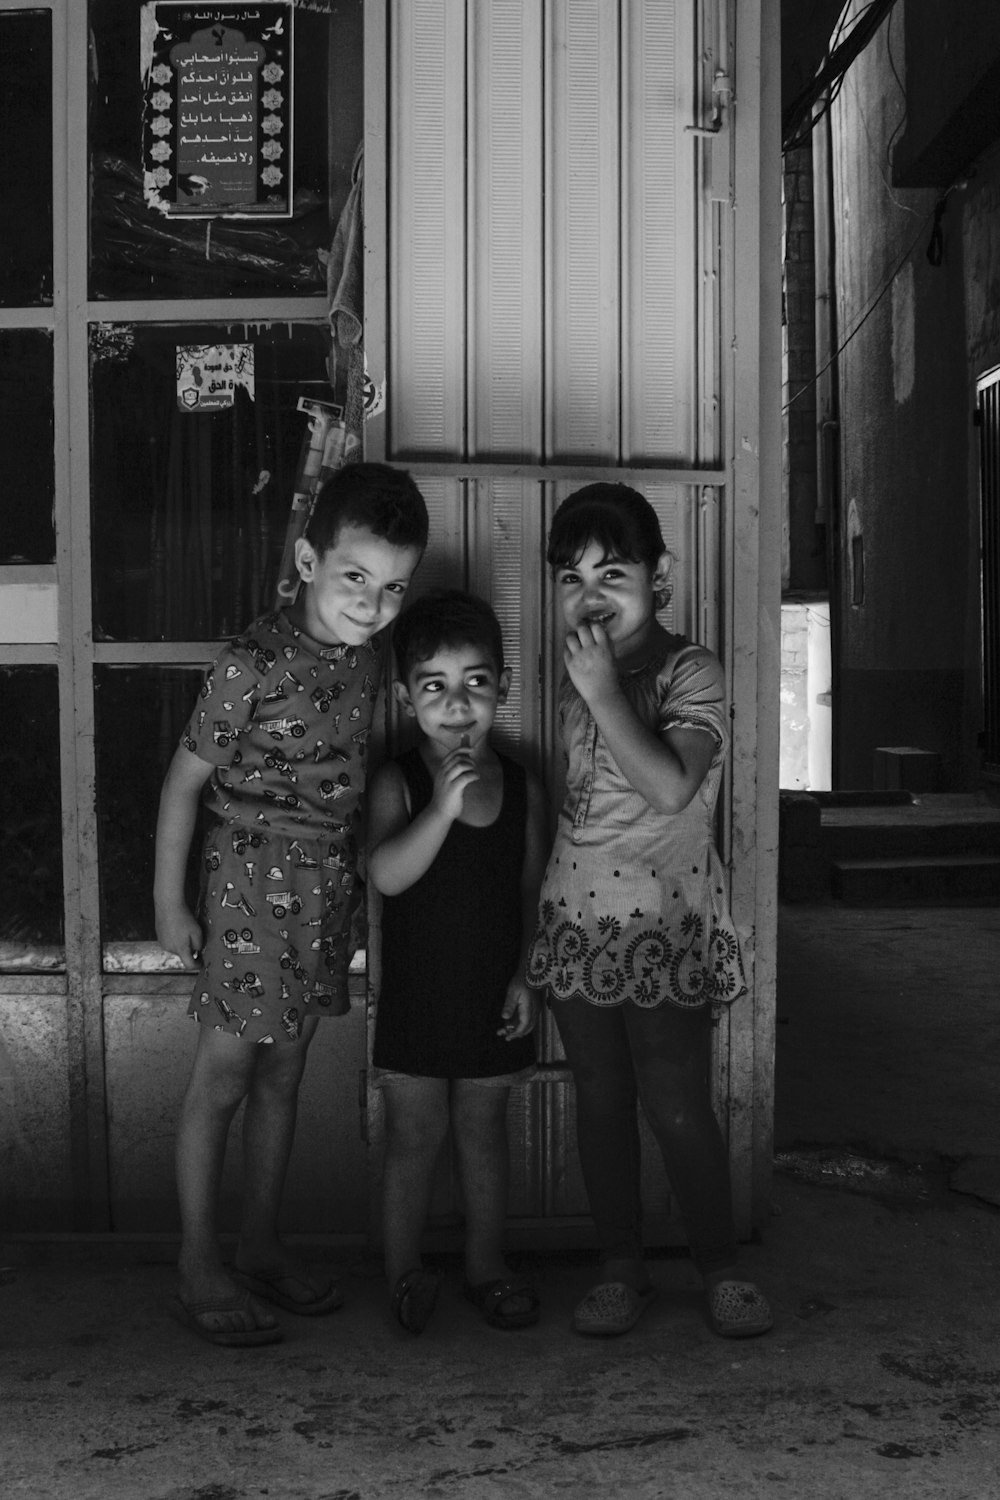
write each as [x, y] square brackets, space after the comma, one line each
[381, 1076]
[276, 919]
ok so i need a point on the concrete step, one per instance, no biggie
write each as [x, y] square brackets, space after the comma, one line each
[886, 848]
[849, 838]
[941, 880]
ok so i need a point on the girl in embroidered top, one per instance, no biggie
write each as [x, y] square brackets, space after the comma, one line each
[634, 943]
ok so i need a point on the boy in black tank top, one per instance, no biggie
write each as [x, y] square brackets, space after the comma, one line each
[456, 847]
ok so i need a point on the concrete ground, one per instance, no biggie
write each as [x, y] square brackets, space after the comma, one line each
[881, 1377]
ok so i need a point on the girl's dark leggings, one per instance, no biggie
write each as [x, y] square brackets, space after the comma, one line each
[620, 1054]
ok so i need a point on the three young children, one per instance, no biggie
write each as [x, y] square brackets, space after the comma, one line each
[631, 940]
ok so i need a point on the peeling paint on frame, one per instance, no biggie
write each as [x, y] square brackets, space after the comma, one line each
[111, 343]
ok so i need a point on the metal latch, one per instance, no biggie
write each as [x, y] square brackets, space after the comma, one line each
[716, 131]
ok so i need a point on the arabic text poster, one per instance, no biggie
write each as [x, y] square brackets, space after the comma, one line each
[209, 374]
[217, 122]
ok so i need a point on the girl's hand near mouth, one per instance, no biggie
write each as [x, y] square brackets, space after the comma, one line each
[590, 662]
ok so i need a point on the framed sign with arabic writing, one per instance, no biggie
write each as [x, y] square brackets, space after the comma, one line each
[217, 115]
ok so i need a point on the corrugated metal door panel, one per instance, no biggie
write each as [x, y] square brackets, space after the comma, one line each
[583, 202]
[505, 230]
[526, 1134]
[674, 506]
[426, 397]
[659, 288]
[505, 542]
[550, 297]
[565, 1192]
[443, 564]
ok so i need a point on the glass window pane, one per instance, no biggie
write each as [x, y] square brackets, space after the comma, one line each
[190, 508]
[26, 158]
[31, 873]
[27, 527]
[139, 715]
[138, 252]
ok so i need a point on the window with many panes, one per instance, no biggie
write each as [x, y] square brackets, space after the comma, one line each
[140, 526]
[166, 529]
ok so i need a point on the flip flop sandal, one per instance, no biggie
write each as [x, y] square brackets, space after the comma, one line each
[738, 1310]
[268, 1284]
[414, 1298]
[490, 1296]
[611, 1308]
[190, 1314]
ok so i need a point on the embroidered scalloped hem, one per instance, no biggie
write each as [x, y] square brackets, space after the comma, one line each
[609, 1002]
[648, 968]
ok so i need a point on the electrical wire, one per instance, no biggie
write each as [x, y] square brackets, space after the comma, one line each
[935, 214]
[899, 84]
[799, 119]
[876, 154]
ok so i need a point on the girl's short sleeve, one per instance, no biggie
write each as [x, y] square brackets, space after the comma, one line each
[693, 694]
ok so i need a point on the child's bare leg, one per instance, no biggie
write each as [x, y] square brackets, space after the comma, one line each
[268, 1135]
[479, 1120]
[220, 1078]
[479, 1115]
[416, 1114]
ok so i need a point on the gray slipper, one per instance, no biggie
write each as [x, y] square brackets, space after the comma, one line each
[738, 1310]
[611, 1308]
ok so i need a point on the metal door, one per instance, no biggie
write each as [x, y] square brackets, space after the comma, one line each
[553, 185]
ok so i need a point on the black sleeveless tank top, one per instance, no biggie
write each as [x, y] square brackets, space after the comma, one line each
[451, 943]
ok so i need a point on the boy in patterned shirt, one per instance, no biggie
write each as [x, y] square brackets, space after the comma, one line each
[276, 751]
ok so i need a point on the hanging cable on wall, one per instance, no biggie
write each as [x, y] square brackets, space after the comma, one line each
[801, 116]
[935, 215]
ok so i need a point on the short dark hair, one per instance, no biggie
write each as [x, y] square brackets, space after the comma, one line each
[444, 619]
[376, 496]
[615, 516]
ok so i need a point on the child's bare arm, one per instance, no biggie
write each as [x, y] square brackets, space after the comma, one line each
[666, 770]
[176, 928]
[400, 851]
[520, 1009]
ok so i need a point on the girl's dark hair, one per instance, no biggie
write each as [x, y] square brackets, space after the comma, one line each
[444, 619]
[615, 516]
[376, 496]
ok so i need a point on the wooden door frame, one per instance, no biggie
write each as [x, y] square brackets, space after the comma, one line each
[755, 588]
